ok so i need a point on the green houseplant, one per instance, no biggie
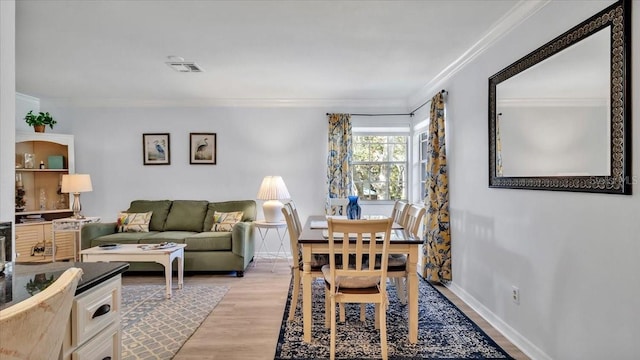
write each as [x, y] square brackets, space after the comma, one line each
[40, 121]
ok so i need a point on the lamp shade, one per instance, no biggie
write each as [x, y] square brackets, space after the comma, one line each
[76, 183]
[273, 188]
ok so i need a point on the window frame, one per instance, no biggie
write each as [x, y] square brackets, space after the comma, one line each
[386, 132]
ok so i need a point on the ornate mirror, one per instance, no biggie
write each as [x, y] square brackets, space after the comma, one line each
[559, 118]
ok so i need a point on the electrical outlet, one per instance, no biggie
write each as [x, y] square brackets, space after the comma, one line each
[515, 294]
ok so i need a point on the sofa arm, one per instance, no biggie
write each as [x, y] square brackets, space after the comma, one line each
[242, 239]
[93, 230]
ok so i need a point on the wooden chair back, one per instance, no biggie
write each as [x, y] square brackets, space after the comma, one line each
[337, 206]
[356, 241]
[35, 328]
[399, 212]
[293, 228]
[414, 219]
[294, 211]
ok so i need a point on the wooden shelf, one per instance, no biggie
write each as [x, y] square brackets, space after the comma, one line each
[42, 170]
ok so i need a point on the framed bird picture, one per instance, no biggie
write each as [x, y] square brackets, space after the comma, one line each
[202, 148]
[156, 149]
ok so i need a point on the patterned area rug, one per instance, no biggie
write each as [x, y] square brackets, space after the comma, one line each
[444, 332]
[154, 327]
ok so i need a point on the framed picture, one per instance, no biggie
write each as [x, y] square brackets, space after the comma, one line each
[156, 149]
[202, 148]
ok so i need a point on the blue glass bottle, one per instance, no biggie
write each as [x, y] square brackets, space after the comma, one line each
[353, 209]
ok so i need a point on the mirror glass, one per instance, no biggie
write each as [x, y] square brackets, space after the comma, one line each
[558, 117]
[553, 118]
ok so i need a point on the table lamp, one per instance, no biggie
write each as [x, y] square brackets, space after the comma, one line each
[76, 183]
[272, 191]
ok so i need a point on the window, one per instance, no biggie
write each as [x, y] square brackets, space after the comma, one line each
[379, 166]
[424, 139]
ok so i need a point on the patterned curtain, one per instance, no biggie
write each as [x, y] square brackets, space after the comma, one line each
[437, 241]
[339, 177]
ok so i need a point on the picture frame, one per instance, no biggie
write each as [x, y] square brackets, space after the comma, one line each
[156, 149]
[202, 148]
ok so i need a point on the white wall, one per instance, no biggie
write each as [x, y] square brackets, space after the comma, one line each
[574, 256]
[251, 143]
[7, 111]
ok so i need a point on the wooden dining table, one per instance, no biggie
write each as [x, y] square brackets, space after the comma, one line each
[314, 241]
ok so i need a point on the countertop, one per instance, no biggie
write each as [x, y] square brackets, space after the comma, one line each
[20, 281]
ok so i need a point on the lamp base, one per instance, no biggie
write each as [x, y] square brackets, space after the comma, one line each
[76, 206]
[272, 210]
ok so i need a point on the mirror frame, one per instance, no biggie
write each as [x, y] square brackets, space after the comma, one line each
[618, 16]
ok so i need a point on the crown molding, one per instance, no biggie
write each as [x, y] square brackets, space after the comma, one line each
[237, 102]
[518, 14]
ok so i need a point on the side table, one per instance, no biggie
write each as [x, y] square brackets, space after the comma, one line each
[263, 229]
[74, 226]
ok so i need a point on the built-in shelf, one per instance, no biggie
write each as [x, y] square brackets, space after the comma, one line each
[42, 170]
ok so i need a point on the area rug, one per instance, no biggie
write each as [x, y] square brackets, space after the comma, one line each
[154, 327]
[444, 332]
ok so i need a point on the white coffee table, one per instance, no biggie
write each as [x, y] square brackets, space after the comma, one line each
[135, 253]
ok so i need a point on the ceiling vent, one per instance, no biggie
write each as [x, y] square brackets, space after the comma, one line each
[178, 64]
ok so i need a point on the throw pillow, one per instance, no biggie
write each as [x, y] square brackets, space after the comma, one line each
[134, 222]
[224, 221]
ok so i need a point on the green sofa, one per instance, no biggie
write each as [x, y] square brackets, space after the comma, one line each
[186, 222]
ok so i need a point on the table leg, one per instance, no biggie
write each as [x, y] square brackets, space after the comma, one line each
[412, 290]
[262, 246]
[167, 275]
[180, 256]
[281, 247]
[306, 292]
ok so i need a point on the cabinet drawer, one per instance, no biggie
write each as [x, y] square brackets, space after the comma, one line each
[104, 346]
[94, 311]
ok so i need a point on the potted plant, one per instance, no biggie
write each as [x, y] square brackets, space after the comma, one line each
[40, 121]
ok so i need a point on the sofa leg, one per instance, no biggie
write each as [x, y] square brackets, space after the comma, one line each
[239, 273]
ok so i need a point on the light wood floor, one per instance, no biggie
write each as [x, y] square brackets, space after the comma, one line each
[246, 323]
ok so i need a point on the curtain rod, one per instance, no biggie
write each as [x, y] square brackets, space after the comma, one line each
[378, 114]
[443, 91]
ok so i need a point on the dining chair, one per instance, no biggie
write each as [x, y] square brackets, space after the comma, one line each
[337, 206]
[293, 228]
[355, 280]
[397, 268]
[35, 328]
[399, 212]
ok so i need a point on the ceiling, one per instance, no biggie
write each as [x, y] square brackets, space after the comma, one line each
[382, 53]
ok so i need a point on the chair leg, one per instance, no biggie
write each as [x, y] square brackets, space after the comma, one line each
[363, 309]
[401, 289]
[295, 294]
[343, 312]
[333, 330]
[383, 331]
[327, 309]
[377, 316]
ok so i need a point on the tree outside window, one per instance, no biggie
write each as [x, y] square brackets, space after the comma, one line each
[379, 166]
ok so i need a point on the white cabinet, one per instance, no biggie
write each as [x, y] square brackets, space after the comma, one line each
[94, 329]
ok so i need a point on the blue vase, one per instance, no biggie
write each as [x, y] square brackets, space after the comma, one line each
[353, 209]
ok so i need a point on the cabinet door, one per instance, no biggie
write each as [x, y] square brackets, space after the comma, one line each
[64, 242]
[28, 236]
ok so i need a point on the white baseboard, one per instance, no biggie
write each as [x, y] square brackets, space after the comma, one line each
[507, 331]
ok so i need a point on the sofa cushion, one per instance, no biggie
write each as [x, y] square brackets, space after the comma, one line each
[186, 215]
[167, 236]
[224, 221]
[209, 241]
[134, 222]
[160, 210]
[248, 208]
